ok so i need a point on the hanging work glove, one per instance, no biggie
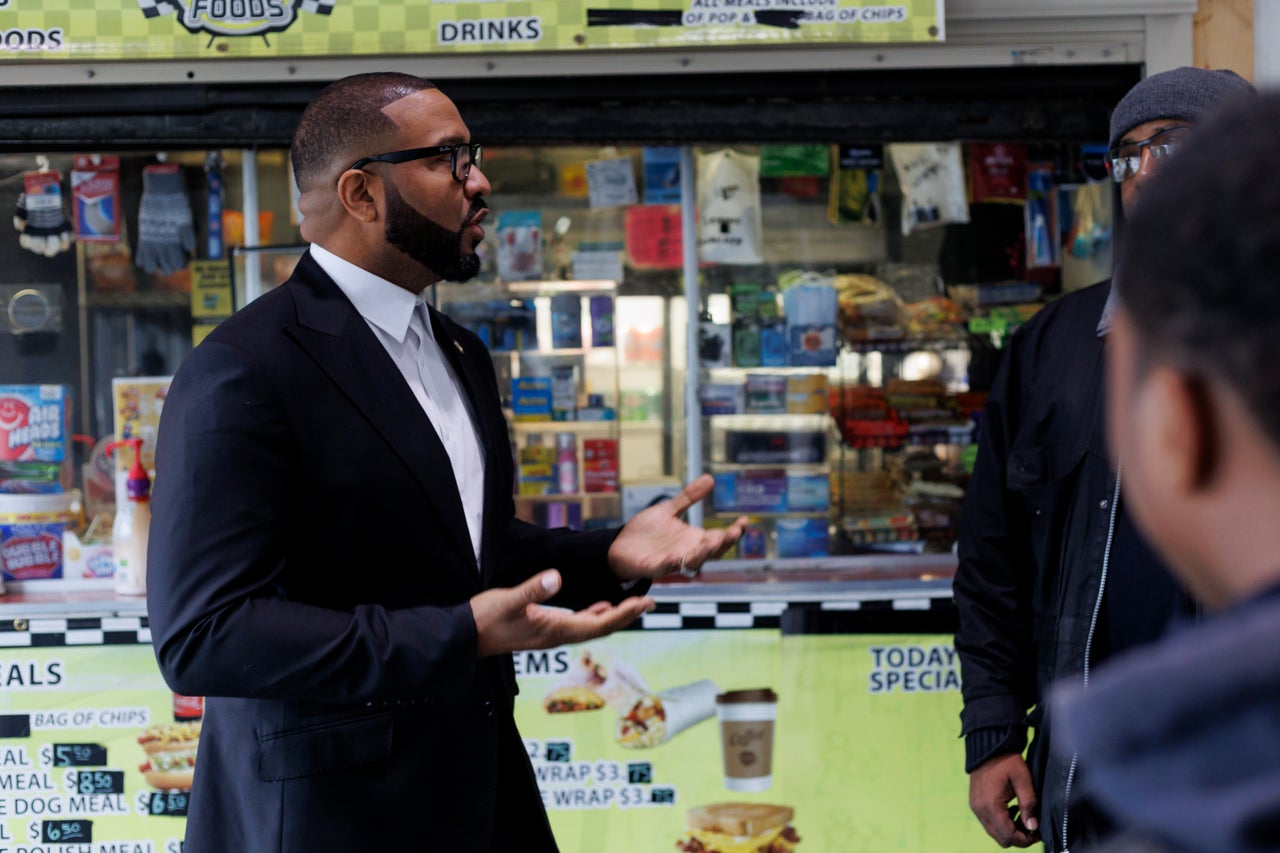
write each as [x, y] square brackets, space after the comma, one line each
[166, 237]
[41, 219]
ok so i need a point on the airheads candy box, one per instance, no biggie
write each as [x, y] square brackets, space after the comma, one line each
[33, 423]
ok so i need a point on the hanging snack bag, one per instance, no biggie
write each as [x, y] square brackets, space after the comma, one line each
[932, 179]
[729, 230]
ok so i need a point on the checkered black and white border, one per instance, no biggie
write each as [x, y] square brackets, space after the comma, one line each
[704, 615]
[41, 632]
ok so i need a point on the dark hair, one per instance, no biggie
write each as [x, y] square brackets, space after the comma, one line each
[1199, 267]
[344, 118]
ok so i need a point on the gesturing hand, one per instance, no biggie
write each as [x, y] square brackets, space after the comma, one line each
[513, 619]
[992, 785]
[656, 541]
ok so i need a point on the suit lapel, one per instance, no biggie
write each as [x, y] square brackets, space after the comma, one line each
[339, 341]
[494, 440]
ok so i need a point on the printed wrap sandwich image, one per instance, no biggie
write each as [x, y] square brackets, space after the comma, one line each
[171, 755]
[595, 679]
[653, 719]
[739, 828]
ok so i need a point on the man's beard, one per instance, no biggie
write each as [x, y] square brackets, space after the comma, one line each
[434, 246]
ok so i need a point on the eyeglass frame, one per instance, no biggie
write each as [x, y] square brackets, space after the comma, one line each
[1158, 150]
[475, 149]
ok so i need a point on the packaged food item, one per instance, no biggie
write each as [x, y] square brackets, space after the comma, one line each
[600, 465]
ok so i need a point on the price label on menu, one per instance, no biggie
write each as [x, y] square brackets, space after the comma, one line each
[95, 781]
[169, 804]
[73, 755]
[60, 831]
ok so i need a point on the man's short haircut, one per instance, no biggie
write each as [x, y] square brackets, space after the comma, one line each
[344, 117]
[1199, 267]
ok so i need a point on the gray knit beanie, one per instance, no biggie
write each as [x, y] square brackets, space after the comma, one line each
[1185, 93]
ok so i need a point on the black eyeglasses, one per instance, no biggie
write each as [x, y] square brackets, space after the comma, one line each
[1123, 161]
[462, 157]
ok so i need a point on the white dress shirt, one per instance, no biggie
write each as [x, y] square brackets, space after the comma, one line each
[400, 322]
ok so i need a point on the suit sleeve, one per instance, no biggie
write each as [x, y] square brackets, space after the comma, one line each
[993, 581]
[582, 558]
[222, 625]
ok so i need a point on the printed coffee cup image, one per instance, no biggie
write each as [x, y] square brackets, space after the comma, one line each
[651, 720]
[594, 680]
[745, 827]
[747, 719]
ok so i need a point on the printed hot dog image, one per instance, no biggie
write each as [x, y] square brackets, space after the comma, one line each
[171, 755]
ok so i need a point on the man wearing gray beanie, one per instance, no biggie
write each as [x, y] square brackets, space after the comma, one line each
[1053, 577]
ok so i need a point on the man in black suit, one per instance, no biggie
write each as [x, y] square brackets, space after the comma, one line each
[334, 556]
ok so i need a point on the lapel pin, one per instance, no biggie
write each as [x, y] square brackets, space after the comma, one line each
[458, 345]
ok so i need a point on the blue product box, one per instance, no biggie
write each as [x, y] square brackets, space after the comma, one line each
[813, 346]
[808, 492]
[802, 537]
[720, 398]
[773, 345]
[750, 491]
[531, 398]
[661, 174]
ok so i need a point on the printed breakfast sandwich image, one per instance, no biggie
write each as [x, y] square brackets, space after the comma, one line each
[564, 700]
[739, 828]
[596, 678]
[171, 755]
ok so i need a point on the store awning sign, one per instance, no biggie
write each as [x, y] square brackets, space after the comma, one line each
[235, 17]
[51, 30]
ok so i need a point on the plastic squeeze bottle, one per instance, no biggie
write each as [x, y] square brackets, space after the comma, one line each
[129, 532]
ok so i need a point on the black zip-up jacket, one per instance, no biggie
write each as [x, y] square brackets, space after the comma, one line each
[1035, 530]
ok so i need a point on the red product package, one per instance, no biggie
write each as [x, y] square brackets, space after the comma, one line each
[997, 171]
[600, 465]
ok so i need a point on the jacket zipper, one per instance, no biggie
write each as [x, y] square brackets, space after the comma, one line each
[1088, 648]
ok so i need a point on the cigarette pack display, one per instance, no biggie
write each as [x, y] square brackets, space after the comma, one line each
[721, 398]
[531, 398]
[808, 492]
[807, 394]
[775, 447]
[802, 537]
[766, 394]
[750, 491]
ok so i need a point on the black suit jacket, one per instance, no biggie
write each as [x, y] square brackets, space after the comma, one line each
[310, 570]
